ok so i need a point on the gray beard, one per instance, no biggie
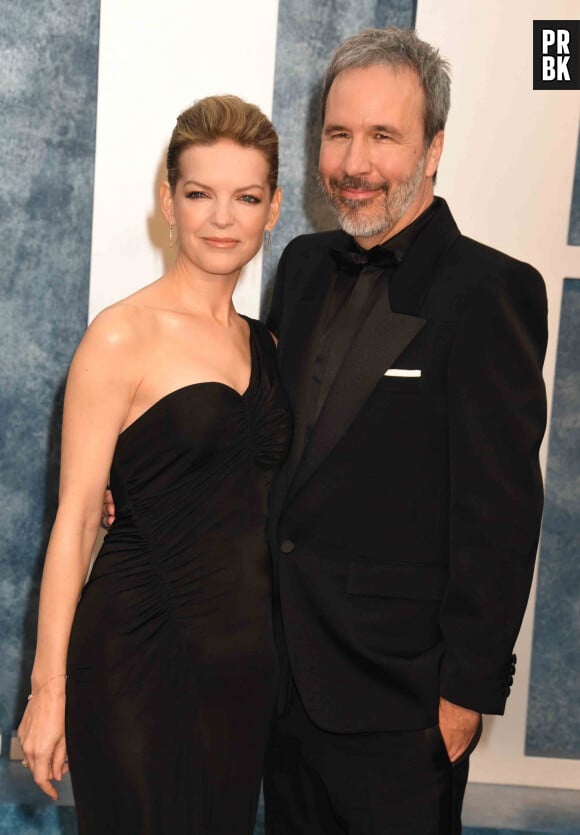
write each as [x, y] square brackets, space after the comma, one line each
[350, 213]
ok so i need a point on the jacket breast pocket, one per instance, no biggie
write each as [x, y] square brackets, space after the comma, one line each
[396, 383]
[395, 578]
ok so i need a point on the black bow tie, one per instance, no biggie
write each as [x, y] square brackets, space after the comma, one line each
[354, 262]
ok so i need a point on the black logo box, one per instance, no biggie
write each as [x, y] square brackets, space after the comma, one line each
[555, 78]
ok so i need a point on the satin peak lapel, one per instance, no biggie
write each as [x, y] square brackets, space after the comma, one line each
[299, 350]
[381, 339]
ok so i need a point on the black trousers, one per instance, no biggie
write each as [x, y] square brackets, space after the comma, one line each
[394, 783]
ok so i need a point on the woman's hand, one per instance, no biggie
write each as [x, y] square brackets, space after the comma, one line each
[41, 735]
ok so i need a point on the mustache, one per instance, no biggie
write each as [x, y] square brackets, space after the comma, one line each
[358, 183]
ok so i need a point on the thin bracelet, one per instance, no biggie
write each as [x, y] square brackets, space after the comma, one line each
[48, 680]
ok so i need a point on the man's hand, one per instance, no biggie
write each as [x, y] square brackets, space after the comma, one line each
[458, 726]
[108, 509]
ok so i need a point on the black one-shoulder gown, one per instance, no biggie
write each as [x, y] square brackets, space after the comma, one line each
[171, 666]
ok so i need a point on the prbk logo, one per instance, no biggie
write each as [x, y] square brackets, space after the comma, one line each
[556, 54]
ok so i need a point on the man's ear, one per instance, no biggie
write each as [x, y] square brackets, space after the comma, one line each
[167, 203]
[433, 155]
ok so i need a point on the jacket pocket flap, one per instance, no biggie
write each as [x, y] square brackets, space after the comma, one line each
[413, 580]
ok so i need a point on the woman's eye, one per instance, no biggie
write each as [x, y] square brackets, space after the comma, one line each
[250, 198]
[195, 195]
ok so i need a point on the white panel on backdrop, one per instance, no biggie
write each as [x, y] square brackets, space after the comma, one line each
[155, 58]
[507, 172]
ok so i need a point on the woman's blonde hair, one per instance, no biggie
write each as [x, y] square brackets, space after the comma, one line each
[223, 117]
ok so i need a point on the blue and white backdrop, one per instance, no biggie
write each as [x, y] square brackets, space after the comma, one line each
[88, 96]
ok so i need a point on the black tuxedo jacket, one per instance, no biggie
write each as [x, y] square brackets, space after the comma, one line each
[404, 525]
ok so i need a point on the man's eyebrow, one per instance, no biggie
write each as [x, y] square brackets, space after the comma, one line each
[336, 128]
[386, 129]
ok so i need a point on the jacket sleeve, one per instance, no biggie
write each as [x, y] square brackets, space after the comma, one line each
[497, 417]
[274, 319]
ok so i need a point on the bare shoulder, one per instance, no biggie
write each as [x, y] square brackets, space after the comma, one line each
[117, 340]
[121, 326]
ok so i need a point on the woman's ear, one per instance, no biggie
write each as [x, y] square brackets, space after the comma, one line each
[167, 203]
[274, 213]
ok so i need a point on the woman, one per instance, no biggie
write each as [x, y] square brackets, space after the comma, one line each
[169, 657]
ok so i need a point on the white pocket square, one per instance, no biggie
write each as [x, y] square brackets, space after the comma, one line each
[403, 372]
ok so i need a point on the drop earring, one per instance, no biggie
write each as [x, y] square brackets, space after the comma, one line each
[171, 234]
[268, 241]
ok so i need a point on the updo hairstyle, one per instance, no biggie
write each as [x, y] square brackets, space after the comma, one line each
[223, 117]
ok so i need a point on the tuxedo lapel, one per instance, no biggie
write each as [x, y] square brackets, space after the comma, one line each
[299, 346]
[383, 336]
[415, 277]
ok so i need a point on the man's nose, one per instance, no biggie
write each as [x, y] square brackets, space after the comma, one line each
[357, 159]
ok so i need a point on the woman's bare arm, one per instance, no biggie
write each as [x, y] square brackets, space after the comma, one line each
[100, 387]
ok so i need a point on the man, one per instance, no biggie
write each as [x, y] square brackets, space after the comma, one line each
[405, 522]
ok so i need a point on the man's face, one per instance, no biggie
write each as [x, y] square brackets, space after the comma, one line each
[374, 167]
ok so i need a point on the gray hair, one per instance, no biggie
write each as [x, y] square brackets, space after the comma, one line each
[397, 48]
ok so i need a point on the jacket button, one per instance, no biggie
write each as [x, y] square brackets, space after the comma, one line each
[287, 546]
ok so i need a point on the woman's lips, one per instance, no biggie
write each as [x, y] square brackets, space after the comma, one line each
[221, 243]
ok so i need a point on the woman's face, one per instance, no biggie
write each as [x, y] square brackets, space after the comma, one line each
[221, 205]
